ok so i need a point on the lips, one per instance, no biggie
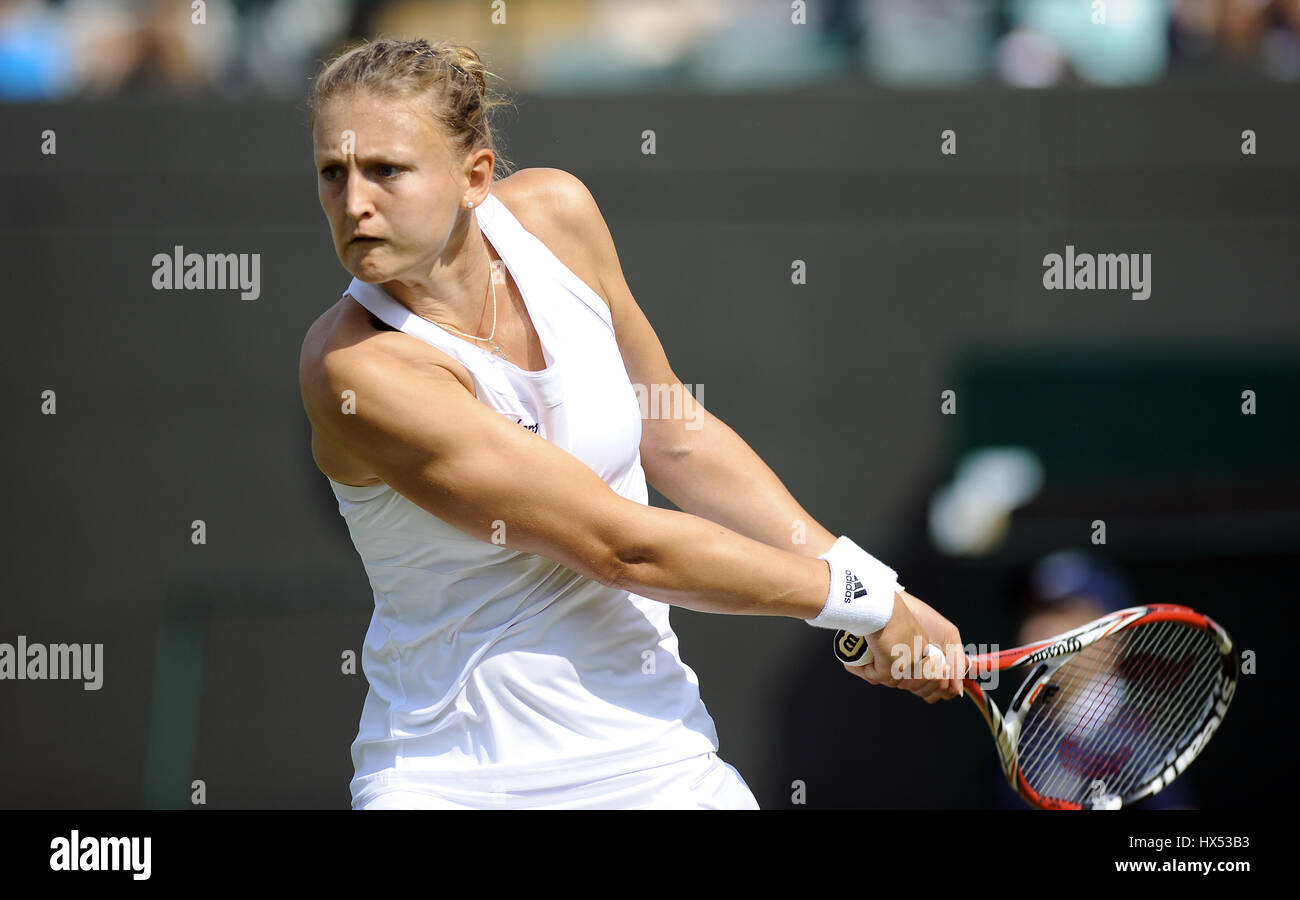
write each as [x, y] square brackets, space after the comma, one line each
[363, 237]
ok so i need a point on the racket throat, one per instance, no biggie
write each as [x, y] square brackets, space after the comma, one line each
[1038, 681]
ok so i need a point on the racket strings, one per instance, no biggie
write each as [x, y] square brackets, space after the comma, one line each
[1125, 734]
[1111, 751]
[1082, 735]
[1087, 685]
[1193, 678]
[1127, 730]
[1115, 712]
[1157, 729]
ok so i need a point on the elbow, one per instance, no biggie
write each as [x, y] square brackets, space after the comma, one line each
[622, 570]
[667, 443]
[669, 453]
[615, 575]
[626, 544]
[625, 564]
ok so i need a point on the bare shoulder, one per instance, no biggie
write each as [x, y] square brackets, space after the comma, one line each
[559, 209]
[553, 187]
[321, 339]
[346, 347]
[347, 336]
[339, 338]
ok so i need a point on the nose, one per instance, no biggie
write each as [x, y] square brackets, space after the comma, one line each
[357, 196]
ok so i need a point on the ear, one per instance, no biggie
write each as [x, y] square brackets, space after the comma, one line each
[479, 166]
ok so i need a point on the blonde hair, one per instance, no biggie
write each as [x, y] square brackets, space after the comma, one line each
[452, 77]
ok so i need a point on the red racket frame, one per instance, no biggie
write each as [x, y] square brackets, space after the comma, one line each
[1071, 642]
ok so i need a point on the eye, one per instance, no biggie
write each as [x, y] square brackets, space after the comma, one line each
[385, 171]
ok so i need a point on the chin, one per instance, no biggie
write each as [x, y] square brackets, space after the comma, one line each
[364, 269]
[370, 276]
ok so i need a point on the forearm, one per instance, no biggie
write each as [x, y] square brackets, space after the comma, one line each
[684, 560]
[712, 473]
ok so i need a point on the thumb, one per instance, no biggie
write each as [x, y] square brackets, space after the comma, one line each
[936, 664]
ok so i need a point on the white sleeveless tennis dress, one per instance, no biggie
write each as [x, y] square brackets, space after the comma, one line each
[502, 679]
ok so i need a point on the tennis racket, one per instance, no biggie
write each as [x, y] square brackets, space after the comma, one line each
[1110, 712]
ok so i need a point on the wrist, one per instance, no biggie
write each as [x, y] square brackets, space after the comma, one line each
[861, 596]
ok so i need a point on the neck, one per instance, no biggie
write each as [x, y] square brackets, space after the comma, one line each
[457, 290]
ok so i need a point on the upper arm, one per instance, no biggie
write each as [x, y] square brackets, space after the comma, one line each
[643, 355]
[429, 439]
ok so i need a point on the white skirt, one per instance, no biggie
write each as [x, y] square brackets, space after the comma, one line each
[700, 782]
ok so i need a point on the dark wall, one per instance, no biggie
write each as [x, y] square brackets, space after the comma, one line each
[222, 661]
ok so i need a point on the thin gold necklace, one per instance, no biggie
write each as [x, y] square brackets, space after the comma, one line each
[496, 345]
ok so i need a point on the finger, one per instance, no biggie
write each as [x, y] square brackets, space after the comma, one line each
[938, 663]
[912, 675]
[922, 687]
[932, 691]
[930, 668]
[949, 688]
[928, 694]
[947, 691]
[961, 664]
[961, 669]
[866, 673]
[859, 671]
[959, 656]
[883, 671]
[937, 686]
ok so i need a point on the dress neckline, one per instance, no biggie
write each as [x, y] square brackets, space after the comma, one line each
[486, 226]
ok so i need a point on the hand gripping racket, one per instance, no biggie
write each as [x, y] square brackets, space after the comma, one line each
[1111, 712]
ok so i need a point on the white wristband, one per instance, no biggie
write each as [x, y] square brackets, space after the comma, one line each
[861, 596]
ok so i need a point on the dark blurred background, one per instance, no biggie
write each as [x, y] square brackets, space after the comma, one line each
[776, 142]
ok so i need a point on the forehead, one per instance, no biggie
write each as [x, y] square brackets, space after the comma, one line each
[376, 122]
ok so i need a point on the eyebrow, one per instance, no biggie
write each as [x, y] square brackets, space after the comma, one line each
[334, 156]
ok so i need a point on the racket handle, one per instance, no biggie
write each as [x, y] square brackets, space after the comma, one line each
[852, 650]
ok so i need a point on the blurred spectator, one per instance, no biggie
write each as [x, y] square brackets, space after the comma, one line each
[35, 60]
[1268, 30]
[132, 45]
[754, 47]
[1262, 31]
[1116, 42]
[1070, 588]
[928, 42]
[50, 49]
[282, 42]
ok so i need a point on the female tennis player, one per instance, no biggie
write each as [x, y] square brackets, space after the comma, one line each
[472, 403]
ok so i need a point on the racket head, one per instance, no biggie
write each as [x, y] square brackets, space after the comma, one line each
[1112, 712]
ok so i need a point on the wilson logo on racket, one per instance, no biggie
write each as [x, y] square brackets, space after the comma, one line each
[849, 647]
[853, 588]
[1070, 645]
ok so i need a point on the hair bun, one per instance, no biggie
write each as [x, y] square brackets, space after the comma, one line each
[465, 61]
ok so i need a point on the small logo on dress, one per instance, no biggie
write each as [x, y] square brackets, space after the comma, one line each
[533, 427]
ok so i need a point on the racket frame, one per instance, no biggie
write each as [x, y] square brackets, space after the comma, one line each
[1049, 655]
